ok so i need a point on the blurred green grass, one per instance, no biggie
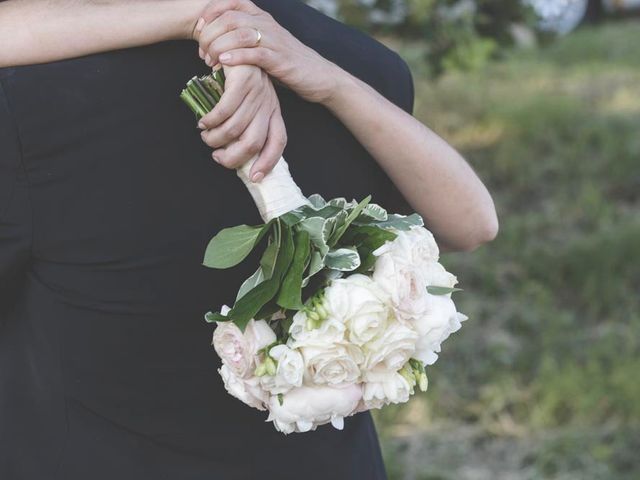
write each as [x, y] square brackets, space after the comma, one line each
[543, 380]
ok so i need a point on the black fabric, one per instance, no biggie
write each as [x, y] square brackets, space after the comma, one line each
[107, 200]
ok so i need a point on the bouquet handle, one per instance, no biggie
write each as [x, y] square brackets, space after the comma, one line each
[276, 194]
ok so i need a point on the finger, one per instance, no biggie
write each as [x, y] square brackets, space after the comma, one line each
[227, 22]
[262, 57]
[218, 7]
[272, 149]
[245, 37]
[248, 145]
[233, 96]
[232, 129]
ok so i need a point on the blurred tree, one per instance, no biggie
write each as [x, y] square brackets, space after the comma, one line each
[461, 34]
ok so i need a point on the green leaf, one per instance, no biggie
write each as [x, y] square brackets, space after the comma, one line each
[270, 254]
[435, 290]
[316, 228]
[316, 263]
[374, 212]
[293, 217]
[267, 310]
[401, 222]
[290, 292]
[232, 245]
[369, 236]
[316, 201]
[325, 212]
[339, 202]
[334, 223]
[251, 303]
[353, 214]
[368, 262]
[212, 317]
[251, 283]
[343, 259]
[367, 239]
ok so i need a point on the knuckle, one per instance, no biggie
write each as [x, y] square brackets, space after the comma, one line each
[230, 19]
[244, 36]
[220, 112]
[253, 146]
[226, 161]
[214, 49]
[262, 54]
[210, 139]
[233, 162]
[281, 141]
[232, 130]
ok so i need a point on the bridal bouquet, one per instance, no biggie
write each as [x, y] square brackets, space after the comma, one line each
[347, 307]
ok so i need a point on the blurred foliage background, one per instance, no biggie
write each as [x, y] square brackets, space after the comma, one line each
[543, 380]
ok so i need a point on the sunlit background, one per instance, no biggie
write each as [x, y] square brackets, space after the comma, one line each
[543, 99]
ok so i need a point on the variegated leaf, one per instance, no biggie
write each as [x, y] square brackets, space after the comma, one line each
[343, 259]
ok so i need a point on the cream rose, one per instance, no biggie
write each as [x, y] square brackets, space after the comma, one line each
[331, 330]
[434, 274]
[332, 364]
[415, 247]
[392, 349]
[248, 390]
[438, 322]
[384, 386]
[289, 372]
[405, 268]
[238, 349]
[360, 304]
[306, 407]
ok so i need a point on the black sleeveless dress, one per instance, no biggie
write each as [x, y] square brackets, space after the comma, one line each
[107, 200]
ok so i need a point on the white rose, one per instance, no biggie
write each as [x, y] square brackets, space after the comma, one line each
[434, 274]
[248, 390]
[415, 247]
[406, 267]
[384, 386]
[438, 322]
[392, 349]
[332, 364]
[237, 349]
[405, 285]
[306, 407]
[289, 372]
[360, 304]
[330, 331]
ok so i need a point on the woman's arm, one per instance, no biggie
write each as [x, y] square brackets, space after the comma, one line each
[37, 31]
[432, 176]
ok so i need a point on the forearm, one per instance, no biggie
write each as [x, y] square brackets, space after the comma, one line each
[37, 31]
[433, 177]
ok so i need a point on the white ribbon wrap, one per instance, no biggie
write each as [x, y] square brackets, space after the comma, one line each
[276, 194]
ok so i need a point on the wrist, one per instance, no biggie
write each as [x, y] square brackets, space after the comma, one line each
[190, 12]
[343, 85]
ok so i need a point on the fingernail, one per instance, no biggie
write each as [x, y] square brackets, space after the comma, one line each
[200, 24]
[202, 126]
[213, 155]
[201, 53]
[225, 57]
[207, 60]
[257, 177]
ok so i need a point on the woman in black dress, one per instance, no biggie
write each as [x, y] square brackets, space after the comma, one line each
[107, 199]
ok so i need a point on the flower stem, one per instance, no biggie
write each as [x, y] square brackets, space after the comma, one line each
[192, 103]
